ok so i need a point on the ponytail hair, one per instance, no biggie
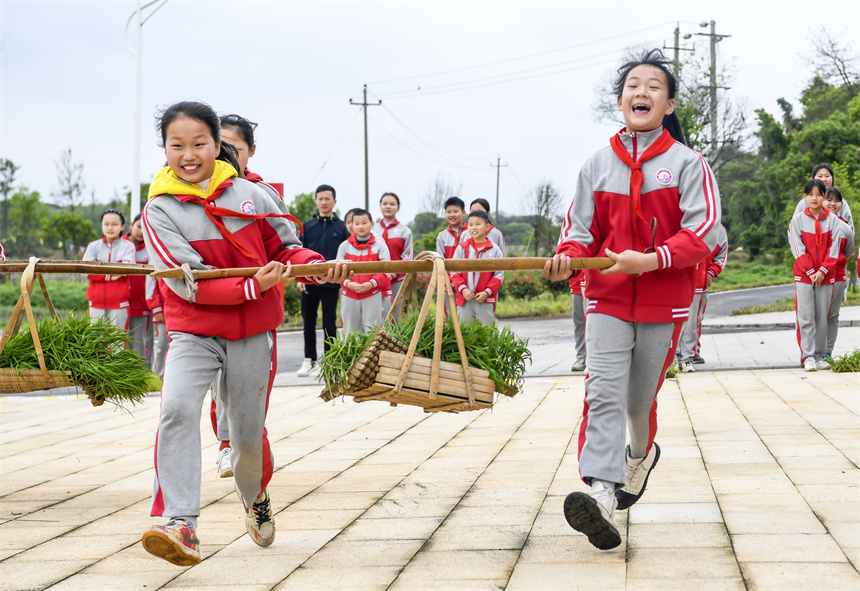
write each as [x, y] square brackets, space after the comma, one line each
[230, 155]
[672, 124]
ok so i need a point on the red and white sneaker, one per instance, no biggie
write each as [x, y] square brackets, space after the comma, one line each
[175, 542]
[259, 522]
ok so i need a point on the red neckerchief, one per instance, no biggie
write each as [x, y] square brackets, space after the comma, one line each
[824, 214]
[386, 228]
[253, 176]
[660, 145]
[458, 234]
[353, 239]
[478, 249]
[215, 214]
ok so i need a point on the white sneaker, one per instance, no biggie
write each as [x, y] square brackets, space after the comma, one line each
[225, 466]
[307, 367]
[822, 365]
[809, 364]
[591, 514]
[636, 478]
[686, 366]
[578, 365]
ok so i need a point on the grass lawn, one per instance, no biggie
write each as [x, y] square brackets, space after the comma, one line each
[787, 305]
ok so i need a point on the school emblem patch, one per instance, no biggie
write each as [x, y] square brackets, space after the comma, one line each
[247, 207]
[664, 177]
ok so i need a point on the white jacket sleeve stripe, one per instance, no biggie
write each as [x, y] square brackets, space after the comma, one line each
[711, 211]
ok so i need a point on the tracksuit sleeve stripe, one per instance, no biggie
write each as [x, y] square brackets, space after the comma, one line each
[159, 247]
[710, 201]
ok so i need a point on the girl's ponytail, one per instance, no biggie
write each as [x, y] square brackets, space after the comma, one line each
[672, 124]
[230, 155]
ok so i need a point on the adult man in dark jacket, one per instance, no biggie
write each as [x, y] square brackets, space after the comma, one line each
[323, 233]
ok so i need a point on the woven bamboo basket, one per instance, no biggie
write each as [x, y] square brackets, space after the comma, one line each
[390, 371]
[30, 380]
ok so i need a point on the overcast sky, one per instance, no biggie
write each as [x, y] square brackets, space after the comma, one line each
[67, 81]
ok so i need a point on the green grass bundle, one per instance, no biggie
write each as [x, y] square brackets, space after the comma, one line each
[845, 363]
[500, 352]
[94, 353]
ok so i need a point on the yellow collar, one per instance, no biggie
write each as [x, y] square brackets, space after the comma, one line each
[166, 182]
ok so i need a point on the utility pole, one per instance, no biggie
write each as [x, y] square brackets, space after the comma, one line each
[364, 104]
[498, 166]
[713, 86]
[676, 67]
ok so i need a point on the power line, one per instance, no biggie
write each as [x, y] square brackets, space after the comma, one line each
[524, 57]
[411, 149]
[496, 76]
[422, 94]
[336, 146]
[441, 152]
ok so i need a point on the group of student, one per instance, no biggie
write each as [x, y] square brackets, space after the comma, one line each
[647, 201]
[367, 298]
[821, 236]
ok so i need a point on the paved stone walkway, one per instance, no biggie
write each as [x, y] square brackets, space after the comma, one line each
[758, 488]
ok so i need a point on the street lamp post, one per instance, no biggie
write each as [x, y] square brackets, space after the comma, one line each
[135, 181]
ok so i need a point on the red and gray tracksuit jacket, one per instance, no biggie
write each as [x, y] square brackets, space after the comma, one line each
[398, 238]
[644, 179]
[102, 293]
[815, 243]
[846, 249]
[374, 249]
[448, 240]
[715, 262]
[140, 286]
[155, 301]
[240, 225]
[577, 283]
[493, 235]
[488, 281]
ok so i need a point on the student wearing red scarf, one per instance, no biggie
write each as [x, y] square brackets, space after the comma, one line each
[476, 292]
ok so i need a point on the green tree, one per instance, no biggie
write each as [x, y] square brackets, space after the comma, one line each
[303, 206]
[425, 222]
[7, 180]
[71, 232]
[27, 215]
[427, 240]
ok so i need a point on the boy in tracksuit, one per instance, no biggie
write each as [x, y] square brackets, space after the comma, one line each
[448, 239]
[815, 242]
[361, 306]
[707, 271]
[651, 205]
[476, 293]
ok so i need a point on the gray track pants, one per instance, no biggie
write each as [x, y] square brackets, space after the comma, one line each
[626, 366]
[578, 315]
[140, 334]
[688, 343]
[162, 342]
[118, 317]
[360, 315]
[248, 368]
[471, 310]
[395, 289]
[833, 317]
[812, 304]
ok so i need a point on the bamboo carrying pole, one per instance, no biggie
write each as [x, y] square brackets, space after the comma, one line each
[416, 266]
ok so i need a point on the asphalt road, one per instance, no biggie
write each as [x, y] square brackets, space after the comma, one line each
[548, 330]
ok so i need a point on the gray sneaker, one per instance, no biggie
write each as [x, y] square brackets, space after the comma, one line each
[686, 366]
[578, 365]
[591, 514]
[308, 366]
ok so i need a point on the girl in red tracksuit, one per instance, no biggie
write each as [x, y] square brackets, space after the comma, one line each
[109, 295]
[201, 216]
[141, 287]
[651, 205]
[397, 237]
